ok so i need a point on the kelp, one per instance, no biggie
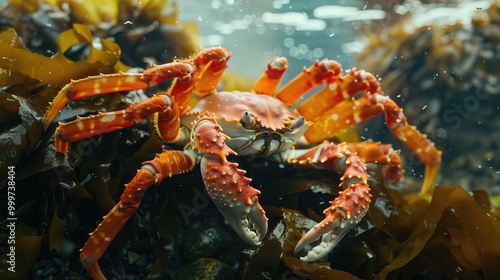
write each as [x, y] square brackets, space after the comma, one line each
[147, 32]
[56, 196]
[455, 235]
[469, 216]
[28, 245]
[445, 76]
[29, 75]
[21, 129]
[56, 70]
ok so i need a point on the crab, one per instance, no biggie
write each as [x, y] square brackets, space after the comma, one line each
[260, 122]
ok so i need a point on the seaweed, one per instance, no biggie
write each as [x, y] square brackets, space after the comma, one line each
[445, 75]
[57, 198]
[21, 128]
[147, 31]
[455, 235]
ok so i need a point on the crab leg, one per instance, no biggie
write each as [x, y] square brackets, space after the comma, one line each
[269, 80]
[104, 84]
[348, 208]
[334, 93]
[226, 184]
[319, 72]
[330, 115]
[164, 165]
[83, 128]
[382, 154]
[212, 62]
[343, 116]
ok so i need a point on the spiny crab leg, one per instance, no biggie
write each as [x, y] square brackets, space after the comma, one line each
[104, 84]
[343, 116]
[329, 116]
[270, 79]
[334, 109]
[381, 154]
[348, 208]
[83, 128]
[211, 64]
[164, 165]
[319, 72]
[226, 184]
[423, 148]
[334, 93]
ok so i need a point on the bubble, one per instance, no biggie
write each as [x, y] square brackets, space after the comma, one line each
[260, 29]
[223, 28]
[289, 30]
[318, 52]
[441, 133]
[293, 51]
[213, 40]
[216, 4]
[278, 51]
[303, 48]
[288, 42]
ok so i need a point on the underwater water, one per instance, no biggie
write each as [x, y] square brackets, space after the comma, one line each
[305, 31]
[256, 31]
[301, 30]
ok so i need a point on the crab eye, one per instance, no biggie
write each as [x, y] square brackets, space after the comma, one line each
[300, 121]
[247, 119]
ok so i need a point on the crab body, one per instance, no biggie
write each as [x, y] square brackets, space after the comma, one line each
[259, 123]
[271, 126]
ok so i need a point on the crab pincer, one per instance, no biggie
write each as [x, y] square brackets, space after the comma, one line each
[236, 199]
[344, 213]
[348, 208]
[227, 185]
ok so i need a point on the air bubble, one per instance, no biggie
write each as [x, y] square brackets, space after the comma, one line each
[318, 52]
[288, 42]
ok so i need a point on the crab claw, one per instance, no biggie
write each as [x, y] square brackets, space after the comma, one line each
[240, 217]
[345, 213]
[236, 199]
[331, 229]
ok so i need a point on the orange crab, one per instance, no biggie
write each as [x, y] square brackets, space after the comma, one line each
[255, 123]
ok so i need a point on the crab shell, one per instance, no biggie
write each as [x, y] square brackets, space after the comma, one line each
[273, 133]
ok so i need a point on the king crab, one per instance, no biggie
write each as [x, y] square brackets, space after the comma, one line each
[256, 123]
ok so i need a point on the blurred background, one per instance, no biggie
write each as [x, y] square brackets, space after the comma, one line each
[404, 43]
[256, 31]
[301, 30]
